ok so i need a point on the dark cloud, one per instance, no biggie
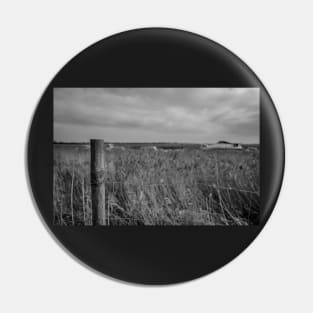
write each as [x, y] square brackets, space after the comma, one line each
[157, 114]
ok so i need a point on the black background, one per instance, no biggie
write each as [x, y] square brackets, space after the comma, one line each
[154, 58]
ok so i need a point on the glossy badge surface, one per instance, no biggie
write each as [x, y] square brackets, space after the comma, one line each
[155, 156]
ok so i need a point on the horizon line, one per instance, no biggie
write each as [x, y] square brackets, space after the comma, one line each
[142, 142]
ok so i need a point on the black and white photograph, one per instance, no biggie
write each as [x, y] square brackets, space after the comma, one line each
[156, 156]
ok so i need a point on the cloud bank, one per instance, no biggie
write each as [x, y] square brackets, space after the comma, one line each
[156, 114]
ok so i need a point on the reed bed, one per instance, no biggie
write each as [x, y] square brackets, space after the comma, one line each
[163, 187]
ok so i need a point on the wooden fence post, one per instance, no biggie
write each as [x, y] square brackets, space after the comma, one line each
[97, 181]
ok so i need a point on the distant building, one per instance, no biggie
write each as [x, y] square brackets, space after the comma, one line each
[222, 145]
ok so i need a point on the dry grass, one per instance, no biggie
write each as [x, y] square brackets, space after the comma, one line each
[164, 187]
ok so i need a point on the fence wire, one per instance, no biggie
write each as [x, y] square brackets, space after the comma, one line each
[257, 192]
[134, 189]
[110, 219]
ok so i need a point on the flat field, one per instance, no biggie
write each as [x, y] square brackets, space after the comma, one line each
[171, 185]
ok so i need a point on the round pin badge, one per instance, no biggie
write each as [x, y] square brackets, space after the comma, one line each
[155, 156]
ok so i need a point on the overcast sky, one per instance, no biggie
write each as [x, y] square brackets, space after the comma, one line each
[203, 115]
